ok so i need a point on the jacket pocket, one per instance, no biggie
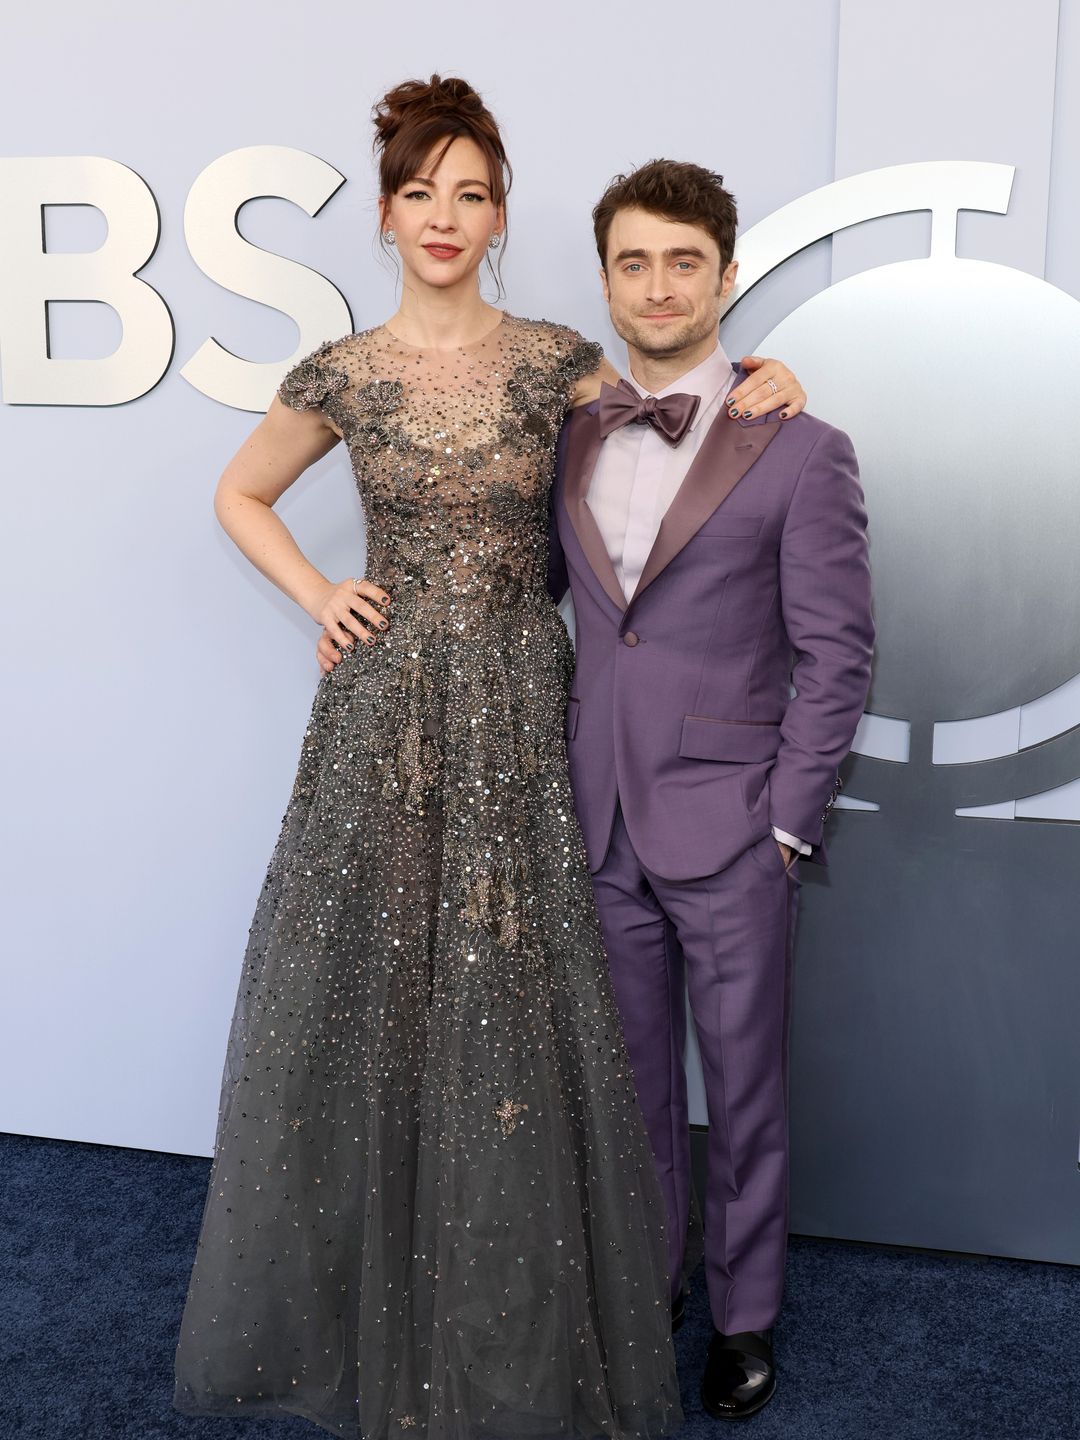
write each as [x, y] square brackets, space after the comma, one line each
[572, 707]
[743, 741]
[724, 527]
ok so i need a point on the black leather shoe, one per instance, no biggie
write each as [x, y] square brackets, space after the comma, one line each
[678, 1311]
[740, 1374]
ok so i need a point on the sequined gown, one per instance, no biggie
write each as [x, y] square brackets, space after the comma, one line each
[432, 1208]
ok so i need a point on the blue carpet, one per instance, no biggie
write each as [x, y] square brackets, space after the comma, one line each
[873, 1344]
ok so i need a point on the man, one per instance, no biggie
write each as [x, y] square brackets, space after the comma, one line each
[712, 565]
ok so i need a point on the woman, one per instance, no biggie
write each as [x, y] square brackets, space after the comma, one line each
[432, 1205]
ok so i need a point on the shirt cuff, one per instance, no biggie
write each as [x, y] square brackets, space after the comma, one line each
[799, 846]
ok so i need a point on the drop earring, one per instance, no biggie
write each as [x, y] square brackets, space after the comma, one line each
[390, 237]
[494, 242]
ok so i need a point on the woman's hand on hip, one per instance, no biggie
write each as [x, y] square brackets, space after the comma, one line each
[347, 612]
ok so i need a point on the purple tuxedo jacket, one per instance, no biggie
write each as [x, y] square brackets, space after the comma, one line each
[681, 705]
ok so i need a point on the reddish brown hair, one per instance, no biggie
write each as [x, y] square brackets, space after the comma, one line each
[412, 119]
[675, 190]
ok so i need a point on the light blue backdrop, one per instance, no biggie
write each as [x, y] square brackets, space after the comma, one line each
[158, 686]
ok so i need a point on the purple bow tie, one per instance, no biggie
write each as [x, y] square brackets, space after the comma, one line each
[670, 415]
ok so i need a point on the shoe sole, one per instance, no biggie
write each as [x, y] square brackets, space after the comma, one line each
[758, 1404]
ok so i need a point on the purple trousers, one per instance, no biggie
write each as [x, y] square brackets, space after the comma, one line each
[726, 941]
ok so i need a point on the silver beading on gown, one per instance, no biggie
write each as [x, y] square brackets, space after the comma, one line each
[432, 1210]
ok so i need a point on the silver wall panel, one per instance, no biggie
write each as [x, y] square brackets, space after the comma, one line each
[936, 1066]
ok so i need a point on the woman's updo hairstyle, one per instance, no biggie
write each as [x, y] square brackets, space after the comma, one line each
[419, 117]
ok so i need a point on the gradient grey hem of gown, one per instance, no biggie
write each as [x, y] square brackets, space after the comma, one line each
[432, 1208]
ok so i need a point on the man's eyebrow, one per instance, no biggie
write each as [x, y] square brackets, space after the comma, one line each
[672, 253]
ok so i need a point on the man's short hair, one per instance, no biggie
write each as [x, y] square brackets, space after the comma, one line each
[676, 190]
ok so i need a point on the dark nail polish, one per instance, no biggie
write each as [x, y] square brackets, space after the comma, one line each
[783, 414]
[747, 414]
[733, 412]
[382, 624]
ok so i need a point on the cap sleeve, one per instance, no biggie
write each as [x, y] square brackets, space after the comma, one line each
[314, 380]
[576, 355]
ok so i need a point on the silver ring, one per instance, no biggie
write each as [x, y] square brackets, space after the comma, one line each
[355, 583]
[773, 386]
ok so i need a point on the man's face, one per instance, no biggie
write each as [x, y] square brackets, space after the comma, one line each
[663, 283]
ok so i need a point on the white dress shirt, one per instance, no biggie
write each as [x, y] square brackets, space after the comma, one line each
[638, 474]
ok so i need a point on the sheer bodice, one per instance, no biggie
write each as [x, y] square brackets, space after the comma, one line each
[452, 452]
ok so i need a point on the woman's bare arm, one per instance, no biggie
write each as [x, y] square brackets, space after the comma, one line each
[276, 453]
[755, 396]
[588, 387]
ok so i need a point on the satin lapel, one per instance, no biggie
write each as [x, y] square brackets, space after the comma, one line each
[726, 454]
[582, 448]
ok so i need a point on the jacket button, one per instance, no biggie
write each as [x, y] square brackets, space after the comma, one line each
[630, 639]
